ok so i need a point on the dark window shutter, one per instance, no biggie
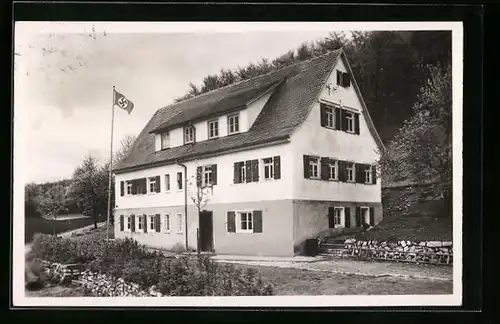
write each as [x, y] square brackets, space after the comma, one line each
[374, 174]
[346, 79]
[134, 187]
[360, 173]
[356, 124]
[331, 217]
[343, 120]
[145, 223]
[347, 218]
[157, 223]
[257, 221]
[306, 167]
[158, 184]
[122, 188]
[198, 176]
[231, 222]
[358, 216]
[214, 174]
[338, 118]
[322, 108]
[339, 77]
[325, 168]
[236, 169]
[248, 171]
[372, 216]
[132, 226]
[255, 170]
[144, 183]
[122, 223]
[342, 165]
[277, 167]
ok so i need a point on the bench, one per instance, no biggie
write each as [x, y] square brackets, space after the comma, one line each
[72, 271]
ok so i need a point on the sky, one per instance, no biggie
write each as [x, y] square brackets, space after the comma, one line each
[64, 77]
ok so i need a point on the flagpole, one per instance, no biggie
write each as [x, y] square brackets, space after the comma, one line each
[110, 164]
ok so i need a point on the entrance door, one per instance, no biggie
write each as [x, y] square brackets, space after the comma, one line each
[206, 231]
[365, 215]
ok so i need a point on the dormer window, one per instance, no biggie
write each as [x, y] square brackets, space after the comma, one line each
[233, 124]
[343, 79]
[165, 140]
[213, 129]
[189, 136]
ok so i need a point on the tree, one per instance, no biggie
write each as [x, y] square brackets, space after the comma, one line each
[199, 194]
[126, 144]
[89, 188]
[53, 202]
[31, 199]
[422, 150]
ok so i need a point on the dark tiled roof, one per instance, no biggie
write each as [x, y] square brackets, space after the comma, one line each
[298, 86]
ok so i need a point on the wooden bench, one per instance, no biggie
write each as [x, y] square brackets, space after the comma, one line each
[72, 271]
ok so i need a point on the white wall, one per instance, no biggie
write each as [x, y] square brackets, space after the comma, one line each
[255, 108]
[225, 191]
[312, 139]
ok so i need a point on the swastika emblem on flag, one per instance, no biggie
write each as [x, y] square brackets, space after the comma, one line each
[122, 102]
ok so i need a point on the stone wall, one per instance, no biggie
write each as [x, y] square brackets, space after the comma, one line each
[433, 252]
[100, 285]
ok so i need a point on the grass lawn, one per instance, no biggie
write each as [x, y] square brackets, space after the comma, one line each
[305, 282]
[34, 225]
[56, 291]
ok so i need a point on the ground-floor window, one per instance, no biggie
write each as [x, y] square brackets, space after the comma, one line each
[152, 223]
[180, 226]
[129, 223]
[167, 223]
[336, 217]
[139, 222]
[244, 222]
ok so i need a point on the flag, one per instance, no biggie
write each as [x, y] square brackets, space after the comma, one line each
[122, 102]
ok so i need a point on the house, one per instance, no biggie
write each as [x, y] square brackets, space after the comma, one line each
[283, 157]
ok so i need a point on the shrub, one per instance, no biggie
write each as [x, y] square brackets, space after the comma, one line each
[183, 275]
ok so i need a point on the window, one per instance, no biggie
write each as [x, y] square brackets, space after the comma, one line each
[349, 117]
[350, 172]
[343, 79]
[167, 182]
[244, 222]
[368, 174]
[167, 223]
[330, 117]
[129, 187]
[240, 172]
[152, 185]
[189, 134]
[337, 216]
[213, 129]
[179, 223]
[165, 140]
[233, 123]
[268, 168]
[313, 167]
[179, 180]
[152, 223]
[333, 170]
[129, 223]
[139, 222]
[207, 175]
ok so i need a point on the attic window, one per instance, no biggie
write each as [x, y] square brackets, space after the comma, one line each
[188, 134]
[165, 140]
[343, 79]
[233, 123]
[213, 128]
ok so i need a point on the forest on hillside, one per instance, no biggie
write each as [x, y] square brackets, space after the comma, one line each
[390, 68]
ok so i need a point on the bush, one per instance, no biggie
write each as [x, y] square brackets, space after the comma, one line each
[183, 275]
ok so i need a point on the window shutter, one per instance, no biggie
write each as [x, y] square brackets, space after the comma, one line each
[157, 223]
[347, 219]
[144, 183]
[277, 167]
[257, 221]
[255, 170]
[236, 169]
[248, 171]
[360, 173]
[306, 167]
[358, 216]
[145, 222]
[158, 184]
[342, 165]
[331, 217]
[194, 134]
[122, 188]
[325, 168]
[198, 176]
[356, 124]
[374, 174]
[122, 223]
[214, 174]
[322, 108]
[339, 77]
[372, 216]
[343, 120]
[134, 187]
[338, 118]
[132, 226]
[346, 79]
[231, 222]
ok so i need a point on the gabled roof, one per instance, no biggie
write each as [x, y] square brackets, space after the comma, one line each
[296, 88]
